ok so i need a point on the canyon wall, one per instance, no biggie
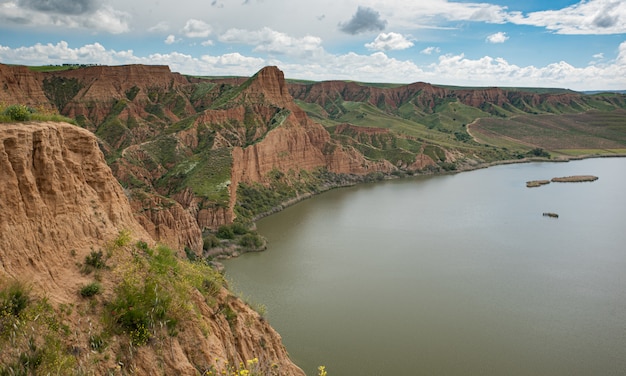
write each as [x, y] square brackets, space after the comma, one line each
[59, 202]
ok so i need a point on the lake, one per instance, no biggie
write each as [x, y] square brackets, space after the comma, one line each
[451, 275]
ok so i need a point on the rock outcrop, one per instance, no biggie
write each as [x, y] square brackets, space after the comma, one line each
[59, 202]
[299, 143]
[58, 199]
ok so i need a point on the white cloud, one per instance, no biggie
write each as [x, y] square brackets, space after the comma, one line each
[389, 41]
[171, 39]
[274, 42]
[599, 56]
[585, 17]
[430, 50]
[207, 42]
[488, 71]
[196, 29]
[499, 37]
[159, 28]
[377, 67]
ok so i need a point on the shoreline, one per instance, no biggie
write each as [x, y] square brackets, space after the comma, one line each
[464, 168]
[357, 180]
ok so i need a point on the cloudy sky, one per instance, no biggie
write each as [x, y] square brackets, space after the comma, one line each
[576, 44]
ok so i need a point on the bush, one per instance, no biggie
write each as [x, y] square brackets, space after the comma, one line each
[137, 309]
[239, 228]
[538, 152]
[18, 112]
[251, 241]
[225, 232]
[210, 241]
[94, 260]
[14, 299]
[90, 290]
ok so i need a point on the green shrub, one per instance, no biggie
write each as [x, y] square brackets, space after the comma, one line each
[95, 260]
[225, 232]
[239, 228]
[14, 299]
[18, 112]
[90, 290]
[137, 309]
[210, 241]
[123, 238]
[251, 241]
[141, 245]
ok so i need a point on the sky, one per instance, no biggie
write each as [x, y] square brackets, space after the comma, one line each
[574, 44]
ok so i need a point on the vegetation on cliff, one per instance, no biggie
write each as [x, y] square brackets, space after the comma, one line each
[21, 112]
[141, 296]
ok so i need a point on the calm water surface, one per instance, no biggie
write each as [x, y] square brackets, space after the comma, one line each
[451, 275]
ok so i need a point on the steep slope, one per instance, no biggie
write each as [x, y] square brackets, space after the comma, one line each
[21, 86]
[58, 195]
[60, 205]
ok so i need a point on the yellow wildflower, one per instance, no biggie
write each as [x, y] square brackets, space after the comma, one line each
[322, 371]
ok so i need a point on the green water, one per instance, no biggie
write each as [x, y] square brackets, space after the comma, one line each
[451, 275]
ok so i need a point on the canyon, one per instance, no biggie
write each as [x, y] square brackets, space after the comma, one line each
[168, 159]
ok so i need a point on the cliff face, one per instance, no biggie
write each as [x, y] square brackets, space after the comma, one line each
[299, 143]
[19, 85]
[59, 202]
[57, 195]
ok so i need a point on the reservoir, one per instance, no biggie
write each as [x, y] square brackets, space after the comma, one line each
[451, 275]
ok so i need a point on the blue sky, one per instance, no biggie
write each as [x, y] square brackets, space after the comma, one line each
[576, 44]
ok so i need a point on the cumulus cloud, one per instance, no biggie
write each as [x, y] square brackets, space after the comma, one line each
[365, 19]
[196, 29]
[499, 37]
[430, 50]
[83, 14]
[274, 42]
[59, 53]
[171, 39]
[389, 41]
[586, 17]
[448, 69]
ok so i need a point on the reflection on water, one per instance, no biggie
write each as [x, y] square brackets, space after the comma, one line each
[451, 275]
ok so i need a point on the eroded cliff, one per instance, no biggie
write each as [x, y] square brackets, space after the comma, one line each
[66, 223]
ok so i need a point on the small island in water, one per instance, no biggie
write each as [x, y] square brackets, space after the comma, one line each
[565, 179]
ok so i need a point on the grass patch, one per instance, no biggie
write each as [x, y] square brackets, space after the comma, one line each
[592, 130]
[206, 173]
[155, 293]
[584, 152]
[18, 113]
[31, 335]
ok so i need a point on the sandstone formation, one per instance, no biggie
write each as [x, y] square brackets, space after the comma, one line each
[59, 202]
[58, 197]
[19, 85]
